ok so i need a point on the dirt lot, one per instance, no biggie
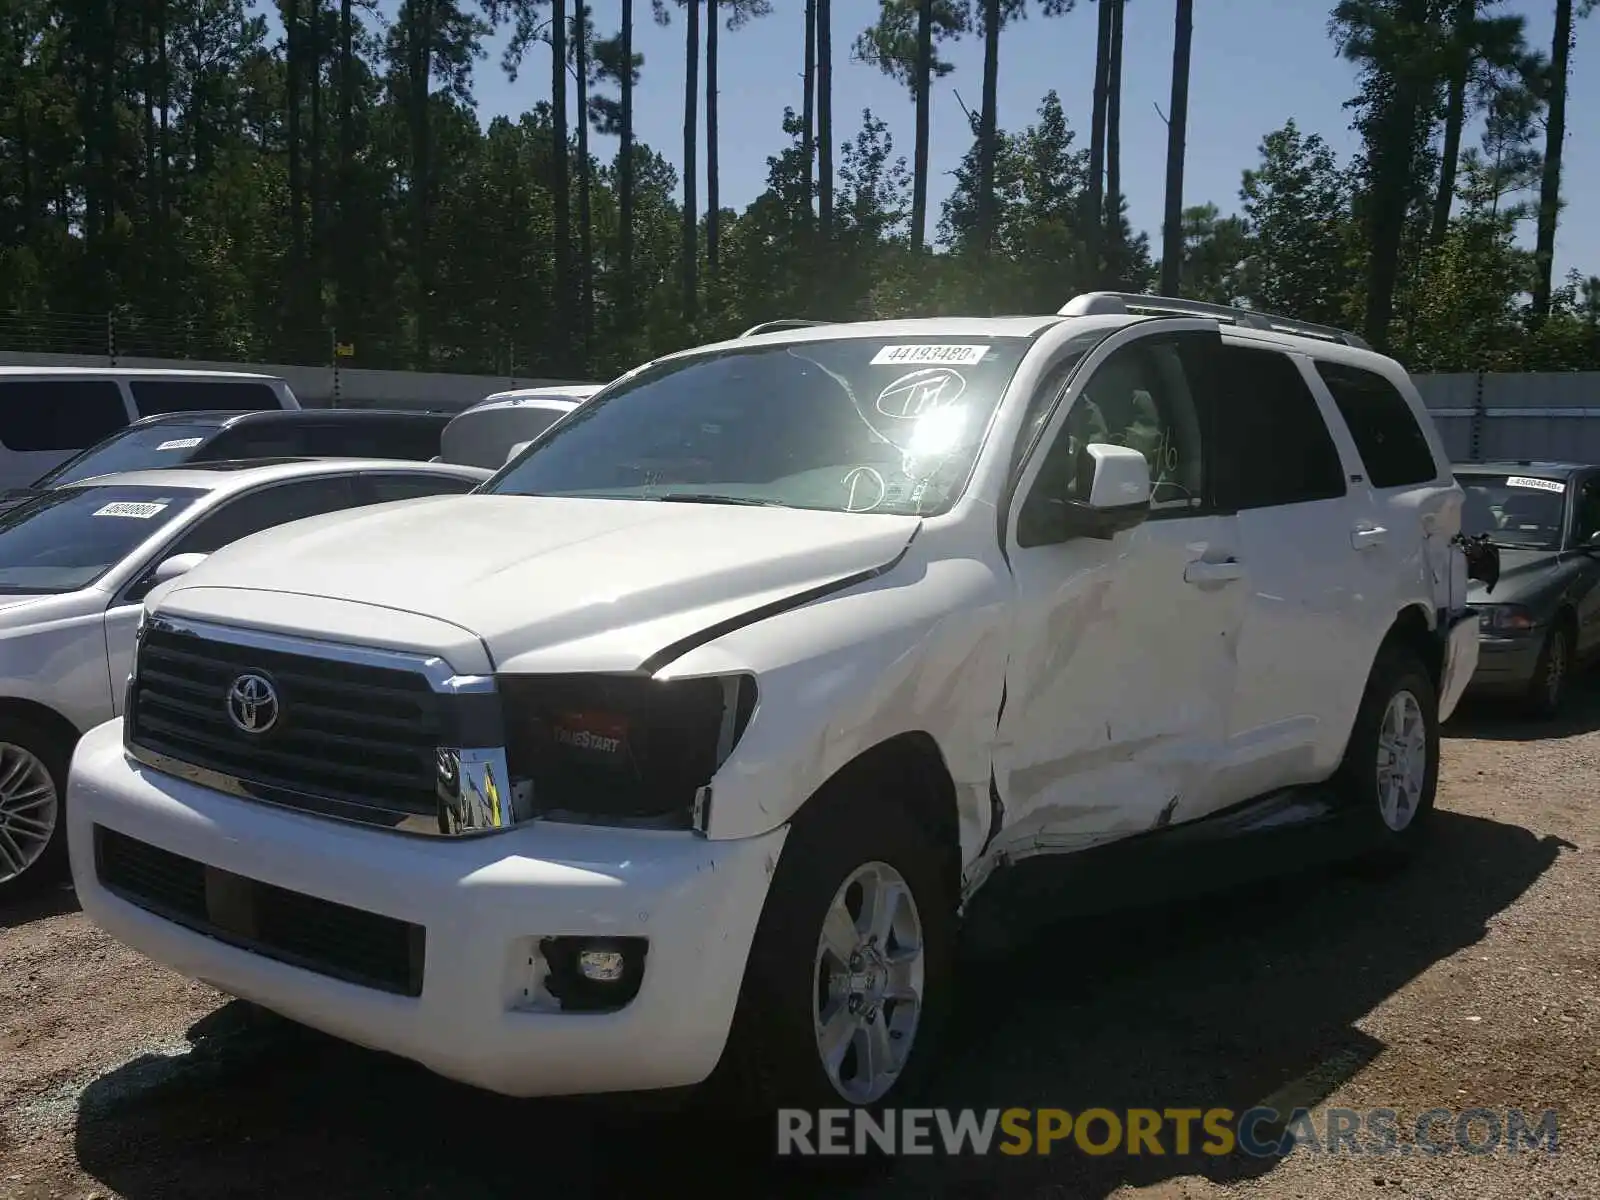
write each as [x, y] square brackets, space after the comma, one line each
[1468, 981]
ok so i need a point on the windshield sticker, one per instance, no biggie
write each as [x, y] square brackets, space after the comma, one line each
[865, 488]
[128, 508]
[180, 444]
[1540, 485]
[921, 392]
[934, 356]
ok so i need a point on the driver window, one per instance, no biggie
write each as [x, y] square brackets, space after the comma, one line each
[1588, 522]
[1139, 397]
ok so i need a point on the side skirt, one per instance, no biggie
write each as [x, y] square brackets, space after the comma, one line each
[1281, 833]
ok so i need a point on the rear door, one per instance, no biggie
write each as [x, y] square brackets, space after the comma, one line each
[1280, 472]
[43, 422]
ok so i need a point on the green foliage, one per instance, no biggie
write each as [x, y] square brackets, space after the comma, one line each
[149, 169]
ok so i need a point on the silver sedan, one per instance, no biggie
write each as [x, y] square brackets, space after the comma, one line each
[75, 566]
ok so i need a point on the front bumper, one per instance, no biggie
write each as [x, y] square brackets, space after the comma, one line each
[1506, 664]
[485, 904]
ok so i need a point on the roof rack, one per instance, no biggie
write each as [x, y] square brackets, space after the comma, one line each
[1091, 303]
[781, 323]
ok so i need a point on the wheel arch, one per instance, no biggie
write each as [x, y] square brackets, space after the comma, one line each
[1413, 630]
[909, 769]
[18, 709]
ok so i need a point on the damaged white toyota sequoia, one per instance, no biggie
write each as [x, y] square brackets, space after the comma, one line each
[677, 751]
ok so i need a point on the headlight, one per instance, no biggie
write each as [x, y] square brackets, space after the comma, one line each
[624, 748]
[1505, 619]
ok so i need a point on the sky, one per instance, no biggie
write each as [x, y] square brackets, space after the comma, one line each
[1255, 65]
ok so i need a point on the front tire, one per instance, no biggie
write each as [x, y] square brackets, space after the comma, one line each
[1548, 688]
[33, 825]
[1390, 771]
[848, 984]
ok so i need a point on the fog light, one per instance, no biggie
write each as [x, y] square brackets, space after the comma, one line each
[593, 974]
[601, 966]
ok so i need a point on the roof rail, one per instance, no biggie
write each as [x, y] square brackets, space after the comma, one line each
[781, 323]
[1090, 303]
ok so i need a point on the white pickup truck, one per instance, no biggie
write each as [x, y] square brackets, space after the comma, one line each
[676, 750]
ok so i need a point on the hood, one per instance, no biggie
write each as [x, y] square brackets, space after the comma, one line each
[549, 583]
[1523, 575]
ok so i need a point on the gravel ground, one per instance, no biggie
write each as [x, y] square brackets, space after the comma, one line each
[1468, 981]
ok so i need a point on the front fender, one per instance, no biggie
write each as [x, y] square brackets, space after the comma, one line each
[920, 649]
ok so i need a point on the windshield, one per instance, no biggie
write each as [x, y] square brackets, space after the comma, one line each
[846, 425]
[1516, 511]
[133, 449]
[66, 539]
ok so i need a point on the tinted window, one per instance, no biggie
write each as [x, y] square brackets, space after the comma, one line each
[151, 396]
[1517, 511]
[1588, 522]
[136, 448]
[1138, 397]
[380, 489]
[845, 424]
[265, 509]
[1273, 446]
[259, 441]
[1393, 447]
[374, 439]
[66, 539]
[65, 414]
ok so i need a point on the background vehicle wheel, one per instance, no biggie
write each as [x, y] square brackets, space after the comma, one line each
[1549, 685]
[1391, 766]
[33, 827]
[849, 981]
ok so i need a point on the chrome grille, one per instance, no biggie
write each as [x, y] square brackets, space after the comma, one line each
[368, 740]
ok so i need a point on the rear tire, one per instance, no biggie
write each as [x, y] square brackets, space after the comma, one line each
[1391, 765]
[33, 813]
[853, 952]
[1548, 688]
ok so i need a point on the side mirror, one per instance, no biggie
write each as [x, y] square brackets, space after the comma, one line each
[518, 449]
[178, 564]
[1116, 480]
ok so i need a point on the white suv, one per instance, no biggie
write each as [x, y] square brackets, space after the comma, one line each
[676, 750]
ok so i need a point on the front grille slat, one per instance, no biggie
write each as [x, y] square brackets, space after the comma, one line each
[349, 732]
[335, 940]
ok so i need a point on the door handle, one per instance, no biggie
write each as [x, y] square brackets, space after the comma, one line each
[1200, 572]
[1372, 535]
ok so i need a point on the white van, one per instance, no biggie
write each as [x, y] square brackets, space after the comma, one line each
[48, 414]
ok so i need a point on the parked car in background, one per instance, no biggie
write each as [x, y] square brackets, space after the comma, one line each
[176, 439]
[677, 749]
[48, 414]
[1542, 617]
[486, 434]
[75, 566]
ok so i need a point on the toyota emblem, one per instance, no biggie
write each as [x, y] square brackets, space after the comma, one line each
[253, 703]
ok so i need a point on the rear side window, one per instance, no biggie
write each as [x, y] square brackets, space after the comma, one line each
[383, 488]
[151, 396]
[256, 441]
[1273, 447]
[1393, 447]
[59, 414]
[373, 439]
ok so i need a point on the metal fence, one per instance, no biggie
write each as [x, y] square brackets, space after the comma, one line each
[1529, 415]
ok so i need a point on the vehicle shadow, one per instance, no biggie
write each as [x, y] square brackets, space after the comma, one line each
[1500, 721]
[51, 902]
[1214, 1002]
